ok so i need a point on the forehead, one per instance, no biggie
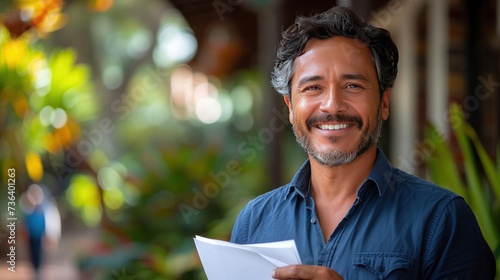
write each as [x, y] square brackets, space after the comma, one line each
[335, 55]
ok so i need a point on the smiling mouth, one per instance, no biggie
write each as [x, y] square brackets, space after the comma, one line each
[328, 122]
[333, 126]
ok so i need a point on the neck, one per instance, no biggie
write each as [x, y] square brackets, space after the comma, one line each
[336, 183]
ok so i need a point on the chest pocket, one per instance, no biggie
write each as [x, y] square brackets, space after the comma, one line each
[368, 266]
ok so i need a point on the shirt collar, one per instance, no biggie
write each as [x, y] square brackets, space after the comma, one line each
[380, 175]
[300, 182]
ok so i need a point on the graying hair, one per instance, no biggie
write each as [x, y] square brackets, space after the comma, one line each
[282, 77]
[338, 21]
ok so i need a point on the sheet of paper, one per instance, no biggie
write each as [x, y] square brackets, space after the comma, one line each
[228, 261]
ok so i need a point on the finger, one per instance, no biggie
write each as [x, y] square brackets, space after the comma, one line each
[293, 272]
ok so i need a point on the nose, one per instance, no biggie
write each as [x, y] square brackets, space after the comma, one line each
[333, 102]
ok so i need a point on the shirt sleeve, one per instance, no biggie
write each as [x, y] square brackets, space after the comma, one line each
[456, 248]
[240, 229]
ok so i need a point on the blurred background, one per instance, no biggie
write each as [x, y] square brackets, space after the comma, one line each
[134, 125]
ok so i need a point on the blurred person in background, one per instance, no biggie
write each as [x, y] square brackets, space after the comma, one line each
[351, 214]
[42, 221]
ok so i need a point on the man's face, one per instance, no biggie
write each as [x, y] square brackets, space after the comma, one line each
[336, 109]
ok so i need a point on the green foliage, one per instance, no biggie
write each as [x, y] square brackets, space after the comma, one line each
[482, 194]
[183, 190]
[161, 173]
[43, 104]
[178, 179]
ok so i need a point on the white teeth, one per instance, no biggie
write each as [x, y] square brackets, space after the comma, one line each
[333, 127]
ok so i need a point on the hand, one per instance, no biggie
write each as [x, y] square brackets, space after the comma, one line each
[305, 272]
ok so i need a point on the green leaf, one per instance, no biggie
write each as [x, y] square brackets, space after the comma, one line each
[65, 75]
[498, 162]
[489, 167]
[444, 171]
[479, 204]
[4, 35]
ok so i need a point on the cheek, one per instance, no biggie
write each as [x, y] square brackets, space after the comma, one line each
[367, 113]
[303, 108]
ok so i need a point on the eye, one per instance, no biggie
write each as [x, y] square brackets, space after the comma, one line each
[353, 86]
[309, 88]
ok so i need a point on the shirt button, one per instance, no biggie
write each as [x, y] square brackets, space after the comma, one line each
[313, 220]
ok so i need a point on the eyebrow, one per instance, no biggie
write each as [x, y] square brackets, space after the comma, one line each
[307, 79]
[313, 78]
[354, 77]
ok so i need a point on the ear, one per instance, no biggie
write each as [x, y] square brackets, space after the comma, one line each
[386, 97]
[288, 102]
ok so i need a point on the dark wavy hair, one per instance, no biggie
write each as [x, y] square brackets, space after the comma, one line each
[337, 21]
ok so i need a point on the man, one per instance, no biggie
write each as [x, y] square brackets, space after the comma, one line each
[351, 214]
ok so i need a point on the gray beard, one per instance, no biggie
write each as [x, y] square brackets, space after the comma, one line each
[336, 156]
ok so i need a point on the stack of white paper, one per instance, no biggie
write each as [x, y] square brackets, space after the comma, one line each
[229, 261]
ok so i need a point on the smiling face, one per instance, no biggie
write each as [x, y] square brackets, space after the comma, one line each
[336, 109]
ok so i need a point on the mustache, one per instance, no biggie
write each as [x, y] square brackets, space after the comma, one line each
[334, 118]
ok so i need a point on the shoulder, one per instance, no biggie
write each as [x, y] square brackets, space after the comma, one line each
[427, 200]
[446, 213]
[455, 242]
[268, 201]
[421, 201]
[420, 190]
[452, 240]
[396, 184]
[256, 212]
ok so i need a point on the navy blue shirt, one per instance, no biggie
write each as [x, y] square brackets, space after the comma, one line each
[399, 227]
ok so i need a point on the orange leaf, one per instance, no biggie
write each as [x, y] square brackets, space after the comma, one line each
[101, 5]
